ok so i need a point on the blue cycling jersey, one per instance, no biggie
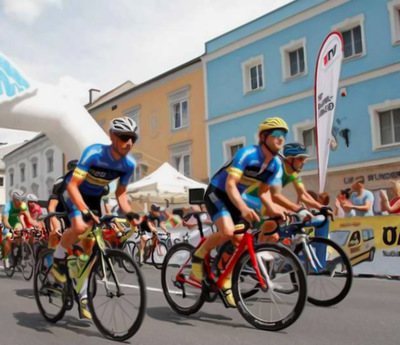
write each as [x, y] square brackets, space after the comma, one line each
[98, 168]
[248, 165]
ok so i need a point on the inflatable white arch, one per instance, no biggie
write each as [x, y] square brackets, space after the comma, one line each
[33, 106]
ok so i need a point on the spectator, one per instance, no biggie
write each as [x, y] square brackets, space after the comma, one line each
[340, 210]
[361, 200]
[393, 207]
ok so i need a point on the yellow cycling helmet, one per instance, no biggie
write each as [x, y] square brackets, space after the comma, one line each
[272, 123]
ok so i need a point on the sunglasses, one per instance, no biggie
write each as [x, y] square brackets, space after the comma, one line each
[126, 137]
[278, 133]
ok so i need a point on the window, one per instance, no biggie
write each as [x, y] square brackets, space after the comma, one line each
[293, 59]
[1, 181]
[253, 74]
[394, 13]
[367, 234]
[353, 36]
[385, 124]
[181, 158]
[34, 169]
[35, 189]
[134, 115]
[232, 146]
[11, 177]
[304, 133]
[180, 115]
[50, 160]
[22, 172]
[141, 171]
[309, 141]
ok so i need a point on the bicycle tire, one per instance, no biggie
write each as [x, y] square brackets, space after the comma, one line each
[42, 270]
[11, 264]
[156, 258]
[298, 294]
[27, 261]
[111, 260]
[170, 289]
[344, 260]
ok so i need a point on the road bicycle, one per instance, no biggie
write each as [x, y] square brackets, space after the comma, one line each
[268, 281]
[116, 289]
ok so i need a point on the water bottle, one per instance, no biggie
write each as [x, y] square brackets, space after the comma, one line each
[72, 266]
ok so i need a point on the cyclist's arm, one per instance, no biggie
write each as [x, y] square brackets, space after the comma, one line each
[30, 219]
[123, 199]
[278, 198]
[5, 221]
[21, 219]
[164, 227]
[363, 208]
[75, 194]
[234, 194]
[305, 197]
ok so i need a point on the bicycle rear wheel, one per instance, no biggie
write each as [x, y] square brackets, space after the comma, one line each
[27, 261]
[181, 293]
[49, 295]
[283, 301]
[158, 255]
[117, 296]
[329, 281]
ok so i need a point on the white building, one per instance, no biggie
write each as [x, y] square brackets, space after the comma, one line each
[33, 167]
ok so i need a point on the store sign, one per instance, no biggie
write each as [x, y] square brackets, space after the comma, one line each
[373, 177]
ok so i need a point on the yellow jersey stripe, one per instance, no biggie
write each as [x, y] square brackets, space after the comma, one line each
[79, 173]
[235, 172]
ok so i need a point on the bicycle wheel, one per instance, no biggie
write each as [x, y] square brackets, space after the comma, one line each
[117, 296]
[10, 268]
[50, 296]
[284, 299]
[182, 294]
[135, 253]
[158, 255]
[329, 273]
[27, 261]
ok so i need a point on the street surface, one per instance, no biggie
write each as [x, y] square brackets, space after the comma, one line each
[369, 315]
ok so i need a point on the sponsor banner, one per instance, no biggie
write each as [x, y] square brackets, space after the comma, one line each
[372, 243]
[12, 82]
[327, 75]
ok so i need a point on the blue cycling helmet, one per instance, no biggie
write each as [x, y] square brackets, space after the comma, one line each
[295, 150]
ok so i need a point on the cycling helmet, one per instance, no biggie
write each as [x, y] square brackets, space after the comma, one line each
[32, 197]
[155, 208]
[18, 194]
[272, 123]
[294, 150]
[123, 125]
[72, 164]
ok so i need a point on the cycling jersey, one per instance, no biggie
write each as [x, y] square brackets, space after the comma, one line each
[98, 168]
[13, 213]
[35, 211]
[149, 217]
[248, 165]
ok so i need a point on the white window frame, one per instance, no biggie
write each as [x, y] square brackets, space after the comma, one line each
[179, 96]
[226, 145]
[374, 111]
[180, 150]
[349, 24]
[394, 8]
[134, 114]
[285, 59]
[246, 66]
[298, 130]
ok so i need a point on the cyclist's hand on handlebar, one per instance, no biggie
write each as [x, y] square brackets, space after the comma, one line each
[304, 215]
[250, 215]
[327, 211]
[89, 216]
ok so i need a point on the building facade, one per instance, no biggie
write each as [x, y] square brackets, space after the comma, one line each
[169, 111]
[33, 167]
[266, 68]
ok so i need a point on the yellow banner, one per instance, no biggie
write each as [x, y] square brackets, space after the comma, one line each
[372, 243]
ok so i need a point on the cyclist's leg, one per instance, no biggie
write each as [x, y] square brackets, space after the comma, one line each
[268, 229]
[54, 231]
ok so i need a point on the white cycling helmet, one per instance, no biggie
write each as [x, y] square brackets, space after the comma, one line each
[32, 197]
[18, 194]
[123, 125]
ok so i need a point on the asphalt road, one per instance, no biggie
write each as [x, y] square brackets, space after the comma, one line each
[369, 315]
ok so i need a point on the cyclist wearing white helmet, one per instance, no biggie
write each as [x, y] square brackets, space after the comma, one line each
[34, 209]
[98, 167]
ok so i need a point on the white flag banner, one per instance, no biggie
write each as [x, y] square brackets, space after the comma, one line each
[327, 75]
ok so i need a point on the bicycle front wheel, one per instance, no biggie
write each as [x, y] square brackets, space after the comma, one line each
[182, 294]
[27, 261]
[117, 296]
[281, 304]
[329, 271]
[158, 255]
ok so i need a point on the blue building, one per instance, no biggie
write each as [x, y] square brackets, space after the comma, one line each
[267, 68]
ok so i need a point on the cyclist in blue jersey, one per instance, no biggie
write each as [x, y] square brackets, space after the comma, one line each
[252, 165]
[98, 167]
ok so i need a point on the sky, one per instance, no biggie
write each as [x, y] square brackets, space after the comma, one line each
[103, 43]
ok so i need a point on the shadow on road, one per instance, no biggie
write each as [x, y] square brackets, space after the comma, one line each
[166, 314]
[27, 293]
[36, 322]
